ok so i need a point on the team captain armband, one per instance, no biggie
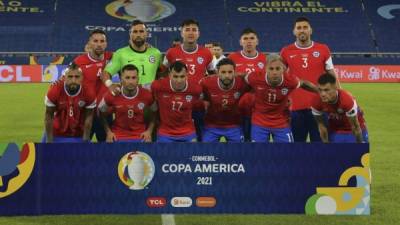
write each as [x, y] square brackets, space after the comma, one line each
[353, 111]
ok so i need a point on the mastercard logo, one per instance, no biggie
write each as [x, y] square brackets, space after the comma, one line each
[206, 202]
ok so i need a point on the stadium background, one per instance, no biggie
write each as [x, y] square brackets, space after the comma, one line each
[37, 33]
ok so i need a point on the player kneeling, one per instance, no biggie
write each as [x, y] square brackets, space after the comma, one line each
[129, 109]
[345, 118]
[270, 116]
[222, 92]
[69, 109]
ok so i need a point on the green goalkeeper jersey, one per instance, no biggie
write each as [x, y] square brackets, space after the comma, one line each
[147, 62]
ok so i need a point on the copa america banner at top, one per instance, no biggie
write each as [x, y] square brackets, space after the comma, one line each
[57, 26]
[127, 178]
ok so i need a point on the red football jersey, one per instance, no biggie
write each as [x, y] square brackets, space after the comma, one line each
[246, 104]
[307, 64]
[92, 70]
[175, 107]
[345, 106]
[223, 111]
[271, 103]
[69, 115]
[197, 62]
[129, 120]
[246, 65]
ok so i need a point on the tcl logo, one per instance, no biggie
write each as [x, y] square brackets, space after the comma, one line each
[32, 73]
[156, 202]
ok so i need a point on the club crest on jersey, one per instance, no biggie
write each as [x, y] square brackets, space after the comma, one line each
[236, 95]
[284, 91]
[189, 98]
[141, 105]
[152, 59]
[315, 54]
[200, 60]
[81, 103]
[260, 65]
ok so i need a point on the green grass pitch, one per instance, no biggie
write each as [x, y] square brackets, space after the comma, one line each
[22, 115]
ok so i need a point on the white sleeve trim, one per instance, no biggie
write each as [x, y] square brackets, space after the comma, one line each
[353, 111]
[329, 64]
[48, 103]
[165, 61]
[103, 107]
[316, 112]
[92, 105]
[246, 78]
[211, 66]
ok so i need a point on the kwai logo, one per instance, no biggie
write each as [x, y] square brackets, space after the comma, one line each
[144, 10]
[136, 170]
[16, 165]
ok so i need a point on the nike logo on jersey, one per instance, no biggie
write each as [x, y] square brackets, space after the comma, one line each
[292, 56]
[88, 66]
[260, 88]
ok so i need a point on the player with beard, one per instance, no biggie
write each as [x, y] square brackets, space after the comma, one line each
[306, 59]
[92, 64]
[69, 108]
[222, 93]
[128, 108]
[139, 53]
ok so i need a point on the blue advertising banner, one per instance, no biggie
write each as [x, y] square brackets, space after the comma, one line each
[57, 26]
[135, 178]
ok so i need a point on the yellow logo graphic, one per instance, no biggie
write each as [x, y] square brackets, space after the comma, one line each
[15, 167]
[136, 170]
[343, 199]
[144, 10]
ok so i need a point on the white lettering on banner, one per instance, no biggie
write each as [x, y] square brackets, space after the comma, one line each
[352, 74]
[203, 158]
[390, 74]
[203, 168]
[150, 28]
[11, 74]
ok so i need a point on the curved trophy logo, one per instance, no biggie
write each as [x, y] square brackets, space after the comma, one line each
[136, 170]
[144, 10]
[16, 165]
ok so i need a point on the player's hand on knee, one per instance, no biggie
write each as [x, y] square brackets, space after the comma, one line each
[146, 136]
[110, 137]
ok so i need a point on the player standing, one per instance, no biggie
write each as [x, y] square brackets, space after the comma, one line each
[198, 60]
[306, 59]
[92, 65]
[147, 59]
